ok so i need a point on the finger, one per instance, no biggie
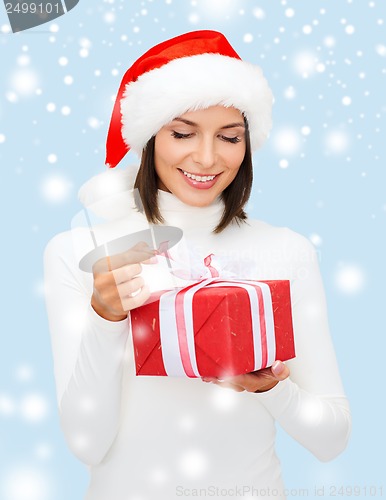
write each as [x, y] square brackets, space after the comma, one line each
[137, 300]
[244, 380]
[138, 253]
[223, 383]
[152, 260]
[126, 273]
[130, 288]
[280, 370]
[141, 245]
[229, 385]
[133, 255]
[257, 381]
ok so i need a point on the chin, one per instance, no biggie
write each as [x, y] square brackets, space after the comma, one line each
[197, 201]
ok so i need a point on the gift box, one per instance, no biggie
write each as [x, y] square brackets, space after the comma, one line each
[214, 328]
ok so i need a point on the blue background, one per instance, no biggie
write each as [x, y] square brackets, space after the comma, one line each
[326, 63]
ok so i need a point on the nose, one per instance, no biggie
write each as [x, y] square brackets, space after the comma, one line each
[205, 153]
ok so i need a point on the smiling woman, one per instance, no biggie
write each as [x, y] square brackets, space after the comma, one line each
[194, 112]
[210, 143]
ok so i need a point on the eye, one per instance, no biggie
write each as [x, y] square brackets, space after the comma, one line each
[232, 140]
[177, 135]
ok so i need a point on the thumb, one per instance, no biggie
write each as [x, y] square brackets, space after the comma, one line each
[279, 370]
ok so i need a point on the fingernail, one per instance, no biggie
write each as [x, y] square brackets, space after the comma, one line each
[277, 368]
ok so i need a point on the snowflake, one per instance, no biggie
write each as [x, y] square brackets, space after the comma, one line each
[66, 110]
[286, 141]
[283, 163]
[63, 61]
[26, 483]
[56, 188]
[289, 12]
[34, 407]
[350, 279]
[258, 13]
[316, 239]
[336, 141]
[193, 463]
[24, 82]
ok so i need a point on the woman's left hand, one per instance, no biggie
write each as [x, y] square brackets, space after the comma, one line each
[259, 381]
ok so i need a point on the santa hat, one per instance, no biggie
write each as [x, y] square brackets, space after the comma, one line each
[192, 71]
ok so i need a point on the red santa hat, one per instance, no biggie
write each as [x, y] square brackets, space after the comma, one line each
[192, 71]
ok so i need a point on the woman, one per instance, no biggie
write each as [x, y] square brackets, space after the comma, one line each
[194, 111]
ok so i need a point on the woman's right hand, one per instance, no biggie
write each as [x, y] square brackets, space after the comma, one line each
[117, 287]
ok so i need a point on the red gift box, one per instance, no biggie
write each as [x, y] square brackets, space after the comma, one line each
[214, 328]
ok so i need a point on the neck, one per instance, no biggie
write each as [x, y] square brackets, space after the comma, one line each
[177, 213]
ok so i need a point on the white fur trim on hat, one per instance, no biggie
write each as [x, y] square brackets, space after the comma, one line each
[195, 82]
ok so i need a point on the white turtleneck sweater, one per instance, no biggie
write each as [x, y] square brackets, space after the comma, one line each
[164, 437]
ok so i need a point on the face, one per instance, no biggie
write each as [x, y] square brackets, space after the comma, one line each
[199, 153]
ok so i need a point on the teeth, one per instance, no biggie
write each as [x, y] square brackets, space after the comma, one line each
[198, 178]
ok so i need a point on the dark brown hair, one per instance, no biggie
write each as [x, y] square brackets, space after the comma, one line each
[235, 196]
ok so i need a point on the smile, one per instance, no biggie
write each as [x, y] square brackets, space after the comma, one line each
[199, 178]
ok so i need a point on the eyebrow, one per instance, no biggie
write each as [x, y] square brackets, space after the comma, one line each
[193, 124]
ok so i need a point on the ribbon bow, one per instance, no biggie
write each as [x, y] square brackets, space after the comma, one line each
[197, 268]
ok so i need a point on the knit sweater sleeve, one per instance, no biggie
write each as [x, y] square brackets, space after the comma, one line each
[88, 354]
[310, 406]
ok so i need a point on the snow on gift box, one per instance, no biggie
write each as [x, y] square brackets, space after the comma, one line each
[215, 328]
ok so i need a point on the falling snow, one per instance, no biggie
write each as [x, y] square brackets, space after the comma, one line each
[68, 80]
[224, 400]
[248, 38]
[289, 93]
[26, 483]
[56, 188]
[336, 141]
[24, 373]
[316, 239]
[305, 130]
[305, 63]
[350, 279]
[51, 107]
[307, 29]
[258, 12]
[7, 405]
[193, 464]
[283, 163]
[286, 141]
[52, 158]
[63, 61]
[24, 82]
[66, 110]
[289, 12]
[381, 50]
[34, 408]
